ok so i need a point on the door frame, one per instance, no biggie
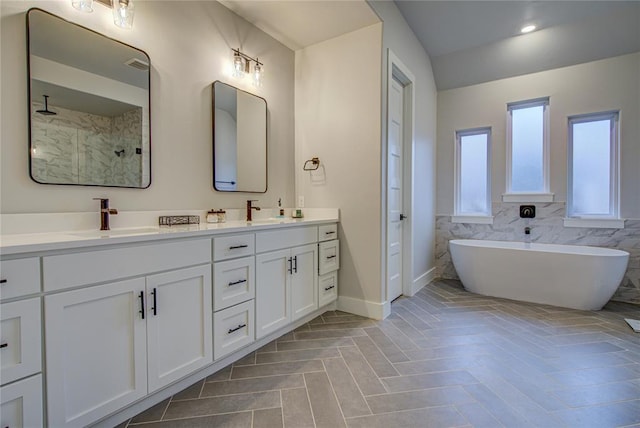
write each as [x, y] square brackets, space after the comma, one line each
[398, 70]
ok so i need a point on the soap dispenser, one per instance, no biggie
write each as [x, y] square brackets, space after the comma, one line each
[281, 212]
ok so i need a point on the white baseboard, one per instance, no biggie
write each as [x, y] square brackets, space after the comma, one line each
[364, 308]
[423, 280]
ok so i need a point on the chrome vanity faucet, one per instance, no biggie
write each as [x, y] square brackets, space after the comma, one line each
[250, 208]
[104, 212]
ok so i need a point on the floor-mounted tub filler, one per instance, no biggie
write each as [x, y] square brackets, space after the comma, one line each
[571, 276]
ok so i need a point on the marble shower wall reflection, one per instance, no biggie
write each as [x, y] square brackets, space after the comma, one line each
[547, 228]
[74, 147]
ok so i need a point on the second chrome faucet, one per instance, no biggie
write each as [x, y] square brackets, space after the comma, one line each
[250, 208]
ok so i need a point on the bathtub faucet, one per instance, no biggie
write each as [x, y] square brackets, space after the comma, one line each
[527, 235]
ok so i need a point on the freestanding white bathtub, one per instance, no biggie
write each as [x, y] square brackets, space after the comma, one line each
[572, 276]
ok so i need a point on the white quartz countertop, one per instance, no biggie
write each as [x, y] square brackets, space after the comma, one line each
[50, 241]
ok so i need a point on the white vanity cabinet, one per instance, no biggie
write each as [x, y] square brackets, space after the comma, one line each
[109, 345]
[286, 279]
[90, 329]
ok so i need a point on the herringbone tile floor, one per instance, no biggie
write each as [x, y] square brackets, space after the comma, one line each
[444, 358]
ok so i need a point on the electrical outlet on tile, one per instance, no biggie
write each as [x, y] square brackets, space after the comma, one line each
[301, 201]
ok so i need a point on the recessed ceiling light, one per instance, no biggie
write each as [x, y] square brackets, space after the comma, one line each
[528, 28]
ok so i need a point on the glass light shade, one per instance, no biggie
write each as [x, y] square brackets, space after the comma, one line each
[83, 5]
[238, 66]
[123, 13]
[258, 74]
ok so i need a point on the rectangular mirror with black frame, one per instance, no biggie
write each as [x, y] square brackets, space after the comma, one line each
[89, 118]
[239, 140]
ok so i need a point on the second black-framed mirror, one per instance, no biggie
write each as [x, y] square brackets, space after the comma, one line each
[239, 140]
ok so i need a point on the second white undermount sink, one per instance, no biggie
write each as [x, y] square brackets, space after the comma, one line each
[115, 232]
[267, 220]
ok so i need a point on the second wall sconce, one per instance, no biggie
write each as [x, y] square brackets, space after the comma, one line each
[122, 10]
[242, 65]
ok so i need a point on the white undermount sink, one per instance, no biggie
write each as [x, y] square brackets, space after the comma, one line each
[267, 220]
[115, 232]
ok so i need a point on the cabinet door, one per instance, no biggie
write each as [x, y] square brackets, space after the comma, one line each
[273, 283]
[304, 281]
[179, 324]
[96, 351]
[22, 403]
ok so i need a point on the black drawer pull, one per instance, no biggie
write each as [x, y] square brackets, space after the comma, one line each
[4, 345]
[331, 257]
[329, 288]
[329, 233]
[240, 281]
[141, 297]
[3, 281]
[154, 293]
[235, 247]
[231, 330]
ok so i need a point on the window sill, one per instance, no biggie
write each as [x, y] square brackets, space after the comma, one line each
[527, 197]
[595, 223]
[472, 219]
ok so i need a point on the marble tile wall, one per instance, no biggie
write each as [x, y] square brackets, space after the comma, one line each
[79, 148]
[547, 228]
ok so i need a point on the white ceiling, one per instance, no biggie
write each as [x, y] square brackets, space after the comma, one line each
[468, 42]
[471, 42]
[298, 24]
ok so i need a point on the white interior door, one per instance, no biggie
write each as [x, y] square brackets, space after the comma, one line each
[394, 189]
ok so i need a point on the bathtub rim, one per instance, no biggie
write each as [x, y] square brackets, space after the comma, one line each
[580, 250]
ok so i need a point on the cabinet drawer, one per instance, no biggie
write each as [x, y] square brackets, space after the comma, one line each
[230, 247]
[70, 270]
[22, 403]
[20, 329]
[233, 282]
[19, 277]
[327, 232]
[328, 288]
[285, 238]
[233, 328]
[329, 255]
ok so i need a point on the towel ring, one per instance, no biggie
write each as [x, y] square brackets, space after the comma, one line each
[315, 164]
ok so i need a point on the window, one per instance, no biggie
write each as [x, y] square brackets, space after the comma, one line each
[528, 151]
[473, 183]
[593, 166]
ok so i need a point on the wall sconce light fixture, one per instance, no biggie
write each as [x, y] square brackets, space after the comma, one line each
[123, 13]
[83, 5]
[122, 10]
[242, 66]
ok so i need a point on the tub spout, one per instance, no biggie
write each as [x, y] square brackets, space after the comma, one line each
[527, 235]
